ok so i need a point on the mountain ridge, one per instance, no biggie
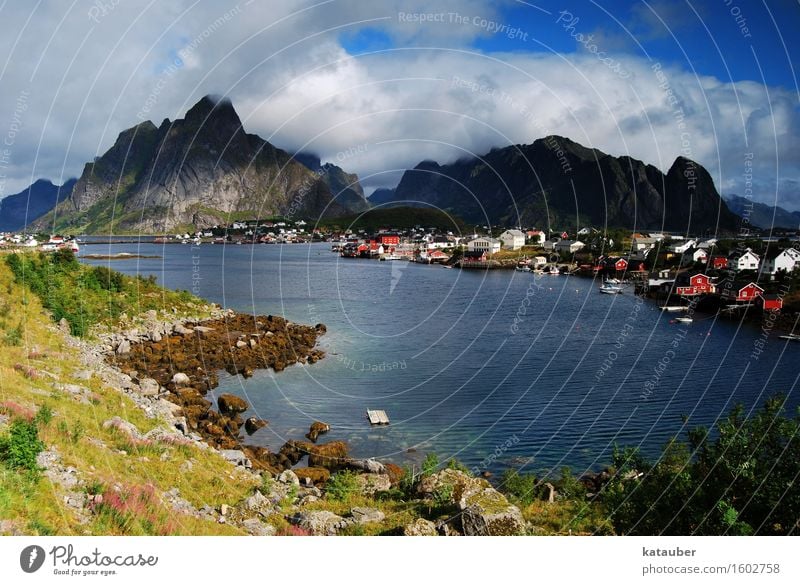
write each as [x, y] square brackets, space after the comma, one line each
[556, 181]
[200, 171]
[20, 209]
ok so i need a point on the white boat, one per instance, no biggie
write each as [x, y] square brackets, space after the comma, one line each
[523, 269]
[684, 319]
[674, 308]
[391, 257]
[612, 281]
[610, 289]
[790, 337]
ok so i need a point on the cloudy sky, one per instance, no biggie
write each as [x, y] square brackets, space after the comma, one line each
[378, 86]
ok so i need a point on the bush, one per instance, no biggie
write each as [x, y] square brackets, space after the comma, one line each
[525, 488]
[430, 464]
[738, 483]
[341, 486]
[14, 336]
[19, 449]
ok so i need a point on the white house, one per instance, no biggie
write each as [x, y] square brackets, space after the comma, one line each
[512, 239]
[776, 260]
[539, 261]
[681, 247]
[569, 246]
[484, 244]
[693, 255]
[644, 243]
[746, 261]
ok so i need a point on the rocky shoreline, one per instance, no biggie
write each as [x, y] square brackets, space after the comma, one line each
[168, 367]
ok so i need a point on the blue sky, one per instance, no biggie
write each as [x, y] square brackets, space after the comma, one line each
[706, 36]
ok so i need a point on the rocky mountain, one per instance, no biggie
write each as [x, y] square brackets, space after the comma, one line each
[557, 182]
[198, 171]
[763, 216]
[380, 196]
[344, 186]
[16, 211]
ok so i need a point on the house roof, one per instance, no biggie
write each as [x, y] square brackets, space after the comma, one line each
[514, 233]
[773, 253]
[486, 239]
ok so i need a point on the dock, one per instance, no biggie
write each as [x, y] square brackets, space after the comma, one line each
[377, 417]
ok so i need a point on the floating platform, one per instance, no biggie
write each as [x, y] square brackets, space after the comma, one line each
[377, 417]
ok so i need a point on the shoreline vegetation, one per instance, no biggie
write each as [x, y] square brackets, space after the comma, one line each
[105, 428]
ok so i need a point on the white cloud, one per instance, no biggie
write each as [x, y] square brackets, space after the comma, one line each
[294, 84]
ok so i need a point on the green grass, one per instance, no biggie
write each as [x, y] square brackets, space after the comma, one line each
[35, 505]
[86, 296]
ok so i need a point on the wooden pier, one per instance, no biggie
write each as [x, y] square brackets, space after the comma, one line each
[377, 417]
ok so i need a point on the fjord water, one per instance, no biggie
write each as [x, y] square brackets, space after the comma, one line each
[497, 369]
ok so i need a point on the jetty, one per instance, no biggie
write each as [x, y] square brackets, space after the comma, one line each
[377, 417]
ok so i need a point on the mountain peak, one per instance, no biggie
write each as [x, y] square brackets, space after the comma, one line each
[213, 108]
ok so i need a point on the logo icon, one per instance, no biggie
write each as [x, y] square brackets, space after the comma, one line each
[31, 558]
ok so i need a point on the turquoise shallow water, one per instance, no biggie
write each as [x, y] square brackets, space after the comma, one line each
[494, 368]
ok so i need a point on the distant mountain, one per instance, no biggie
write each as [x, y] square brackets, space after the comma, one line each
[16, 211]
[199, 171]
[380, 196]
[345, 188]
[557, 182]
[761, 215]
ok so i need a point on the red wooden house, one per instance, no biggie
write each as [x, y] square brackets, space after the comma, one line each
[719, 262]
[699, 284]
[741, 292]
[388, 239]
[770, 302]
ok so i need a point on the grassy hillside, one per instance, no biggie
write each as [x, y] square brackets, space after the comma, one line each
[47, 404]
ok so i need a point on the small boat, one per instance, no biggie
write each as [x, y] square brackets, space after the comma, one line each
[674, 308]
[613, 281]
[610, 289]
[684, 319]
[790, 337]
[391, 257]
[523, 269]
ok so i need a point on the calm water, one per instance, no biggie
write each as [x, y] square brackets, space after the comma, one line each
[495, 368]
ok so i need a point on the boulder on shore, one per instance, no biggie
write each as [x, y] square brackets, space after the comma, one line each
[317, 522]
[180, 379]
[231, 405]
[332, 456]
[317, 475]
[317, 428]
[420, 527]
[252, 424]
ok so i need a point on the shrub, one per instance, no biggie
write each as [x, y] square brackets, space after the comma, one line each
[19, 449]
[14, 336]
[341, 486]
[44, 415]
[525, 488]
[430, 464]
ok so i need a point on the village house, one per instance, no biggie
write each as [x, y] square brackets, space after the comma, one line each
[746, 261]
[719, 262]
[484, 244]
[536, 237]
[474, 259]
[569, 246]
[776, 260]
[550, 244]
[693, 255]
[770, 302]
[696, 284]
[740, 292]
[512, 239]
[682, 246]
